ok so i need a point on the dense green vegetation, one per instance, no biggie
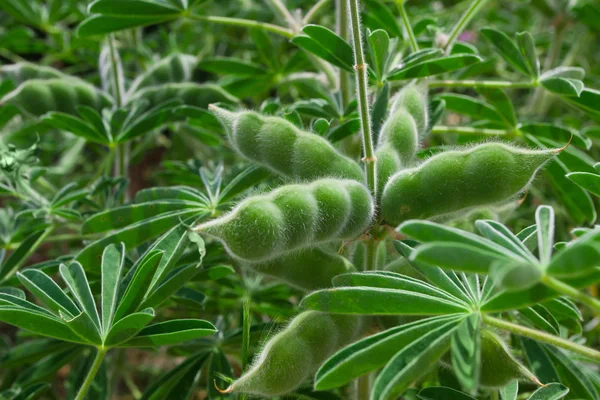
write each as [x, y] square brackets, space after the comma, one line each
[332, 199]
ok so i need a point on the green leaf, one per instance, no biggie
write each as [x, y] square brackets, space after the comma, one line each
[572, 375]
[325, 44]
[586, 180]
[470, 106]
[500, 234]
[587, 102]
[466, 352]
[442, 393]
[218, 368]
[376, 301]
[374, 351]
[502, 103]
[129, 326]
[378, 112]
[345, 129]
[77, 282]
[541, 319]
[246, 179]
[38, 323]
[578, 258]
[434, 67]
[544, 220]
[556, 132]
[113, 260]
[407, 365]
[552, 391]
[171, 284]
[171, 332]
[507, 49]
[379, 43]
[563, 86]
[48, 292]
[527, 48]
[510, 391]
[115, 15]
[458, 257]
[383, 17]
[139, 284]
[21, 253]
[76, 126]
[230, 66]
[515, 276]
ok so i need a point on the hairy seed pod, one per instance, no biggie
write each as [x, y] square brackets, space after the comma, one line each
[293, 217]
[309, 269]
[280, 146]
[456, 180]
[397, 146]
[39, 96]
[414, 99]
[498, 366]
[191, 94]
[24, 71]
[291, 356]
[172, 69]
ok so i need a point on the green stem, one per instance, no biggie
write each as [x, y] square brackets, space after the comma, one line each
[279, 30]
[371, 255]
[363, 387]
[284, 13]
[441, 129]
[544, 337]
[341, 7]
[115, 69]
[409, 31]
[462, 23]
[245, 333]
[487, 84]
[570, 291]
[362, 92]
[91, 374]
[314, 11]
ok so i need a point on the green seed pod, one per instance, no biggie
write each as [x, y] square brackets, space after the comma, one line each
[456, 180]
[498, 366]
[414, 99]
[191, 94]
[280, 146]
[172, 69]
[24, 71]
[290, 357]
[37, 96]
[293, 217]
[308, 270]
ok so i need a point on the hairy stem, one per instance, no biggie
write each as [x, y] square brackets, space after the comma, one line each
[462, 23]
[371, 255]
[341, 8]
[91, 374]
[407, 26]
[441, 129]
[362, 88]
[543, 337]
[570, 291]
[484, 84]
[246, 23]
[245, 333]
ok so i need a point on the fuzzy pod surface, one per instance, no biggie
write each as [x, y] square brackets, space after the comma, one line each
[39, 96]
[292, 355]
[24, 71]
[414, 99]
[293, 217]
[456, 180]
[173, 69]
[498, 366]
[309, 269]
[285, 149]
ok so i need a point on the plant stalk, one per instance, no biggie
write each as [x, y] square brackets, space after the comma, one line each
[91, 374]
[462, 23]
[570, 291]
[279, 30]
[371, 255]
[245, 334]
[484, 84]
[414, 45]
[362, 87]
[592, 354]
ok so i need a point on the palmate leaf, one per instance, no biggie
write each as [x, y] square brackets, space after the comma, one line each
[128, 326]
[113, 260]
[466, 352]
[572, 374]
[170, 333]
[538, 360]
[408, 364]
[508, 50]
[375, 351]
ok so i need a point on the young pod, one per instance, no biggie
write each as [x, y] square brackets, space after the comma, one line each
[283, 148]
[39, 96]
[174, 68]
[191, 94]
[309, 269]
[498, 366]
[456, 180]
[24, 71]
[290, 357]
[413, 98]
[398, 142]
[293, 217]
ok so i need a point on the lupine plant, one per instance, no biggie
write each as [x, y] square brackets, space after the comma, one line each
[345, 199]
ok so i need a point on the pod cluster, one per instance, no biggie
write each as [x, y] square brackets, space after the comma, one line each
[309, 269]
[290, 357]
[283, 148]
[456, 180]
[293, 217]
[39, 96]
